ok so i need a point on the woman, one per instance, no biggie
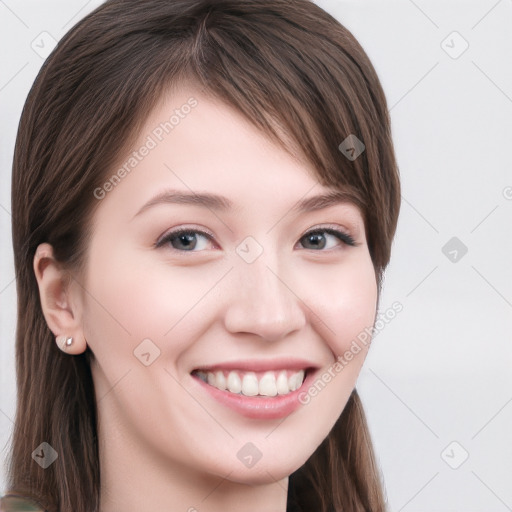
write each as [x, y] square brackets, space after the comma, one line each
[204, 198]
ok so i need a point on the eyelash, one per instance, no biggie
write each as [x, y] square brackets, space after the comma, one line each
[166, 239]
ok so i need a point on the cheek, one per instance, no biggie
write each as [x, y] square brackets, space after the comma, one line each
[355, 311]
[133, 297]
[346, 309]
[345, 305]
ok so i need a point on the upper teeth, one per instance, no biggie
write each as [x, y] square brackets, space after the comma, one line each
[247, 383]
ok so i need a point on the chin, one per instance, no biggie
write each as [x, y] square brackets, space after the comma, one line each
[261, 473]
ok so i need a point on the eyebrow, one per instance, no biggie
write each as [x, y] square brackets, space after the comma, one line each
[220, 203]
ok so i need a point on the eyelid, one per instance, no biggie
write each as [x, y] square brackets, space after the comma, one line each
[338, 229]
[183, 229]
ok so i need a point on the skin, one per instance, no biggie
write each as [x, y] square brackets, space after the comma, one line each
[165, 444]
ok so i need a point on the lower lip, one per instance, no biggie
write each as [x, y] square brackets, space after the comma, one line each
[269, 408]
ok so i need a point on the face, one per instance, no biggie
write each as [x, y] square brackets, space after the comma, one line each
[202, 257]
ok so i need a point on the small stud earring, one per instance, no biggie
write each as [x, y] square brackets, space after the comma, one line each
[64, 341]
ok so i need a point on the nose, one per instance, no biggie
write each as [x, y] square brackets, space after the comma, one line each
[263, 302]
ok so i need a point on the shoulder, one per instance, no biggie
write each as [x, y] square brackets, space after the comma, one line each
[15, 503]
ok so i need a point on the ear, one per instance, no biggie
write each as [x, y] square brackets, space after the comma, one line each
[60, 300]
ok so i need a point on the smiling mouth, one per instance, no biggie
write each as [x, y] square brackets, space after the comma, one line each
[256, 384]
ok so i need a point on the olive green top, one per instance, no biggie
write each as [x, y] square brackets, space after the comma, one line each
[14, 503]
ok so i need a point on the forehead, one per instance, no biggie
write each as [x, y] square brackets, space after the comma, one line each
[193, 144]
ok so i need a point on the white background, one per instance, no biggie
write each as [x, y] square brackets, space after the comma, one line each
[441, 371]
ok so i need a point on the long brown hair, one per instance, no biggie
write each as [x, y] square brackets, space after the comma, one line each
[284, 63]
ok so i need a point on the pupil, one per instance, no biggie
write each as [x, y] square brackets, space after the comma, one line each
[317, 240]
[187, 240]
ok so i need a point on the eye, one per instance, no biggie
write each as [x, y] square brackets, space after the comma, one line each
[187, 240]
[325, 238]
[194, 240]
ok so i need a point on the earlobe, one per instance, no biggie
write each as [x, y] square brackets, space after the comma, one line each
[61, 312]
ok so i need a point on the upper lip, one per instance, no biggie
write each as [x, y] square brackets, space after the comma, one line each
[261, 365]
